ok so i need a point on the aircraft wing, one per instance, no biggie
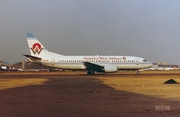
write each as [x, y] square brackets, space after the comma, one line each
[92, 66]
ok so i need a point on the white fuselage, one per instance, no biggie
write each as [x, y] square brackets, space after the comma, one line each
[76, 62]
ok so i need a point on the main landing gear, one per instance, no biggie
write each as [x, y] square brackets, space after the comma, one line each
[138, 72]
[90, 72]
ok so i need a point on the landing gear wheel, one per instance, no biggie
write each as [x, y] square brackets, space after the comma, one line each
[138, 72]
[90, 72]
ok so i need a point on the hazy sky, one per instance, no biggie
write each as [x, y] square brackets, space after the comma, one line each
[144, 28]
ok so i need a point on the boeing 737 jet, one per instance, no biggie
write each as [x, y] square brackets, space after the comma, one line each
[92, 64]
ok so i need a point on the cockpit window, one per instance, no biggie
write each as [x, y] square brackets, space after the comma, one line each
[145, 60]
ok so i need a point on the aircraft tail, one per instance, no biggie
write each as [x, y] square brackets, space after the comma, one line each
[36, 48]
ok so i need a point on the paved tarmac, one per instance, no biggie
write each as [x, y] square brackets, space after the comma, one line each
[75, 95]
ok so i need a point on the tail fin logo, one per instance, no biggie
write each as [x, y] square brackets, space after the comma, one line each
[36, 48]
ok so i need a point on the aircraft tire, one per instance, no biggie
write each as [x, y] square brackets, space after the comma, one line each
[138, 72]
[90, 72]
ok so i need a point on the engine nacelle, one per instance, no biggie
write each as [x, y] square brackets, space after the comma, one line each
[110, 68]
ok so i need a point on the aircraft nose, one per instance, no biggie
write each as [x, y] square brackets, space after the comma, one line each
[150, 64]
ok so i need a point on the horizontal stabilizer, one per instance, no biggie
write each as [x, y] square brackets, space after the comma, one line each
[32, 57]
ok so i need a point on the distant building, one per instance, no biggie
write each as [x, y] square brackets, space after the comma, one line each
[169, 66]
[158, 66]
[155, 65]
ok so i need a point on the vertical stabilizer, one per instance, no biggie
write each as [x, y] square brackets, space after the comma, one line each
[36, 48]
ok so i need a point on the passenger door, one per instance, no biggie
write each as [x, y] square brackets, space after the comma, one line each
[52, 61]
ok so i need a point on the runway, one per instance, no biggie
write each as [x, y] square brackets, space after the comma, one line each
[67, 94]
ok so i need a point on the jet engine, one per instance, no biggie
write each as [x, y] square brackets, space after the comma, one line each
[110, 68]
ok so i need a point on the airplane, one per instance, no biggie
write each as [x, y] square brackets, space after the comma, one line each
[92, 64]
[3, 68]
